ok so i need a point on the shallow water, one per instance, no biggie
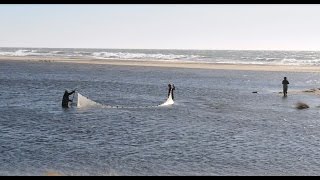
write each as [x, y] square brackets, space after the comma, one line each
[217, 126]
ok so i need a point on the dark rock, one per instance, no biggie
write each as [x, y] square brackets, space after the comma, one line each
[301, 105]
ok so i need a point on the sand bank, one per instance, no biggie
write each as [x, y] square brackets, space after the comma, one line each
[167, 64]
[313, 91]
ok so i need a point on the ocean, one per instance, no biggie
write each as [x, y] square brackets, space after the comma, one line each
[203, 56]
[217, 126]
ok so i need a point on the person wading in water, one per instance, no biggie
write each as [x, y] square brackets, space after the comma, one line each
[285, 83]
[65, 99]
[171, 89]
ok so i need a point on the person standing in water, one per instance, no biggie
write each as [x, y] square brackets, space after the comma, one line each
[65, 99]
[285, 83]
[171, 89]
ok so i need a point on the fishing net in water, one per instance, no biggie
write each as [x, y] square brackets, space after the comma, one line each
[83, 102]
[168, 102]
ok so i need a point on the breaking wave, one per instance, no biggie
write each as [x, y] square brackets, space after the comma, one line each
[204, 56]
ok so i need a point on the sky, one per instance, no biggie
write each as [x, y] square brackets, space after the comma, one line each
[161, 26]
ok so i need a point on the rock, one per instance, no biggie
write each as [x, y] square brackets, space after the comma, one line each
[301, 105]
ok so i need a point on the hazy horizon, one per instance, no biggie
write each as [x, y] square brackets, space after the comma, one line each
[164, 49]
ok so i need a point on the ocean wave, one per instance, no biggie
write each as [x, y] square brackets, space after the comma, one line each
[100, 55]
[212, 56]
[121, 55]
[314, 62]
[267, 59]
[24, 52]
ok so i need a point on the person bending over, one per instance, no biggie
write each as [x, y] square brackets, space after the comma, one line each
[66, 100]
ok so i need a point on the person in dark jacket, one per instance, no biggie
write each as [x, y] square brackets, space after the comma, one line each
[66, 100]
[169, 89]
[285, 83]
[172, 89]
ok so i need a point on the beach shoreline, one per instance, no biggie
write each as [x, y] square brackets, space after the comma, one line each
[166, 64]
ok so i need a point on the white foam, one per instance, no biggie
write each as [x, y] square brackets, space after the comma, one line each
[300, 62]
[158, 56]
[228, 57]
[23, 52]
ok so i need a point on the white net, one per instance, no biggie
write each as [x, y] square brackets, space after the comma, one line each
[168, 102]
[86, 102]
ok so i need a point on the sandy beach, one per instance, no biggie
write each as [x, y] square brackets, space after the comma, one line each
[168, 64]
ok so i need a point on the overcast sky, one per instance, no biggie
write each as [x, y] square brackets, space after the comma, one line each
[241, 27]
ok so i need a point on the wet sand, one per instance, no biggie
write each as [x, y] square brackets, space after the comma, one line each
[167, 64]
